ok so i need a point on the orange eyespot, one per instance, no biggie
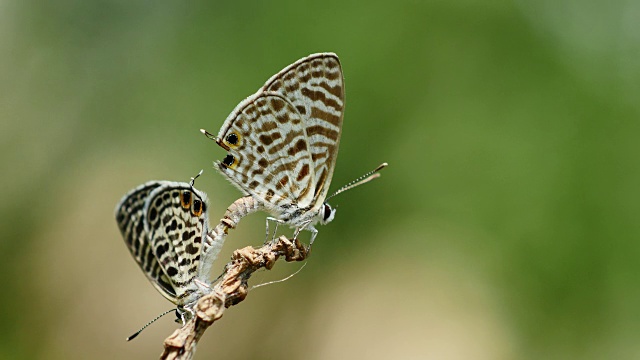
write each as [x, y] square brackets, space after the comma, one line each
[230, 161]
[197, 208]
[185, 199]
[233, 140]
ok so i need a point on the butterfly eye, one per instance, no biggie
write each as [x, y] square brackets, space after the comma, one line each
[233, 139]
[197, 207]
[327, 212]
[185, 199]
[229, 161]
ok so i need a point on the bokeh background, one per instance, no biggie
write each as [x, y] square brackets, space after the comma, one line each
[504, 228]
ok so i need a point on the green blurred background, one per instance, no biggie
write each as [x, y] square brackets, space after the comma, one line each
[504, 228]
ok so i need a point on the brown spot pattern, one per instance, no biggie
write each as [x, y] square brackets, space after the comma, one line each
[275, 164]
[177, 235]
[304, 172]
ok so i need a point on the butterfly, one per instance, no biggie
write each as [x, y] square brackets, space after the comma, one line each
[165, 227]
[282, 142]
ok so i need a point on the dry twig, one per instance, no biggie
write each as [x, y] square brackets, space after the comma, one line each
[230, 290]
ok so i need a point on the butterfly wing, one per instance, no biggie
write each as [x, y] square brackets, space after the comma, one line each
[268, 155]
[177, 223]
[130, 216]
[315, 87]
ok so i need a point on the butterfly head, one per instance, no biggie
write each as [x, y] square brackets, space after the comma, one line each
[327, 214]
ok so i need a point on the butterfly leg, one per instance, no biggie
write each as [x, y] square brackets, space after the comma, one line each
[278, 222]
[314, 233]
[203, 287]
[309, 228]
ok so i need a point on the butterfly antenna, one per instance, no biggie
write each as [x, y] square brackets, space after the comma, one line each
[281, 280]
[361, 180]
[193, 179]
[149, 323]
[208, 134]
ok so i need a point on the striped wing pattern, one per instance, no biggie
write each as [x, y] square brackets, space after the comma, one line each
[177, 223]
[163, 224]
[282, 142]
[315, 86]
[130, 218]
[268, 155]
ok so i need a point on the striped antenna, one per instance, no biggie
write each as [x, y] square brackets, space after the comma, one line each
[371, 175]
[149, 323]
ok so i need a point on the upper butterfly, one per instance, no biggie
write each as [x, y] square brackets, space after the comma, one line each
[282, 141]
[164, 224]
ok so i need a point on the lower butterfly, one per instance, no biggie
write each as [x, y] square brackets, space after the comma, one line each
[164, 225]
[166, 228]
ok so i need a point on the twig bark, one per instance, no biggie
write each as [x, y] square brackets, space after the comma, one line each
[230, 290]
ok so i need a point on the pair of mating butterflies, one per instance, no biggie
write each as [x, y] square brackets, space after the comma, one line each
[282, 144]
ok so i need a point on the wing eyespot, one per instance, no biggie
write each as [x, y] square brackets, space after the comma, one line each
[185, 199]
[230, 161]
[197, 208]
[233, 140]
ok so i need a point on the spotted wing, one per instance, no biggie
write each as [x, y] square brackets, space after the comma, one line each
[315, 87]
[177, 222]
[130, 216]
[268, 155]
